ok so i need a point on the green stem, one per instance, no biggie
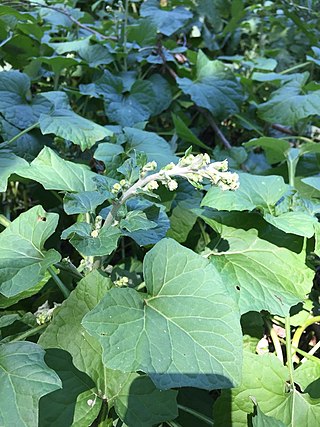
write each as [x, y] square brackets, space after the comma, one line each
[56, 81]
[300, 330]
[58, 282]
[22, 133]
[89, 259]
[125, 25]
[289, 350]
[311, 352]
[295, 67]
[29, 333]
[4, 221]
[303, 353]
[276, 342]
[196, 414]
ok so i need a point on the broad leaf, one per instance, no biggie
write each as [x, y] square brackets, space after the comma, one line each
[291, 103]
[172, 333]
[259, 270]
[267, 194]
[69, 405]
[154, 146]
[83, 202]
[90, 242]
[215, 88]
[274, 148]
[23, 260]
[9, 164]
[313, 181]
[54, 173]
[129, 101]
[16, 104]
[70, 126]
[262, 420]
[308, 378]
[130, 393]
[264, 378]
[155, 214]
[24, 378]
[167, 21]
[137, 220]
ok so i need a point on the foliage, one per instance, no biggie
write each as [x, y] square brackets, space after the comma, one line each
[159, 225]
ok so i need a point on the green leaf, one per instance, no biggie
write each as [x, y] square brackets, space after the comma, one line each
[254, 192]
[274, 148]
[54, 173]
[262, 420]
[69, 405]
[83, 238]
[185, 133]
[70, 126]
[137, 220]
[156, 214]
[267, 194]
[107, 152]
[308, 377]
[24, 378]
[154, 146]
[129, 101]
[129, 393]
[16, 103]
[291, 103]
[259, 270]
[172, 333]
[215, 88]
[264, 379]
[9, 164]
[167, 21]
[86, 201]
[23, 260]
[313, 181]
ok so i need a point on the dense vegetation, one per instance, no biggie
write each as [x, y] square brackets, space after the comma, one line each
[159, 238]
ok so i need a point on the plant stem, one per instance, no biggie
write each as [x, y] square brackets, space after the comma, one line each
[22, 133]
[29, 333]
[311, 352]
[300, 330]
[103, 414]
[58, 282]
[295, 67]
[303, 353]
[289, 350]
[216, 129]
[196, 414]
[4, 221]
[125, 25]
[276, 342]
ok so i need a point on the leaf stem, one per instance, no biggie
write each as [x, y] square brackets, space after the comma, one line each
[125, 25]
[311, 353]
[216, 129]
[289, 350]
[58, 282]
[22, 133]
[295, 67]
[29, 333]
[4, 221]
[300, 330]
[196, 414]
[303, 353]
[276, 342]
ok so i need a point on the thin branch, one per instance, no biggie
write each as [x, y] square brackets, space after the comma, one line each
[75, 21]
[216, 129]
[282, 129]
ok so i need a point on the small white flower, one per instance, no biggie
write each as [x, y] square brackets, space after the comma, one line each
[152, 185]
[172, 185]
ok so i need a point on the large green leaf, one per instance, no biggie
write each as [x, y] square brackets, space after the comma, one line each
[9, 164]
[130, 393]
[274, 148]
[215, 88]
[265, 193]
[259, 270]
[83, 237]
[262, 420]
[54, 173]
[154, 146]
[264, 378]
[185, 332]
[24, 378]
[291, 103]
[167, 21]
[69, 405]
[69, 125]
[85, 201]
[23, 260]
[16, 103]
[129, 101]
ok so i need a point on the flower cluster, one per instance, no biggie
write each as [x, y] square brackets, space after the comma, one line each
[196, 169]
[44, 313]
